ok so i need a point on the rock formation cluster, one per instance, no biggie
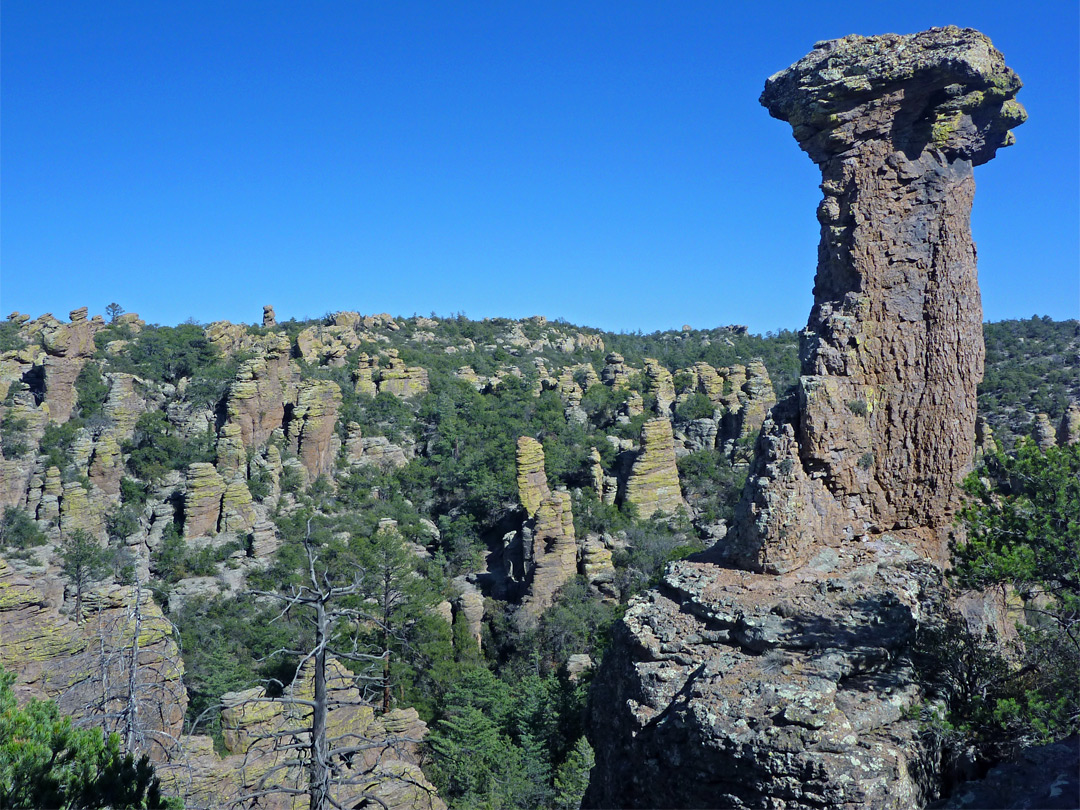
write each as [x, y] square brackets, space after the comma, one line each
[788, 684]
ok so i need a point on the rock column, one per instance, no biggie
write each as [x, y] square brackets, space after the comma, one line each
[884, 424]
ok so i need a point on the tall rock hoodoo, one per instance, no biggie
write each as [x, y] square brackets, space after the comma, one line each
[885, 419]
[790, 684]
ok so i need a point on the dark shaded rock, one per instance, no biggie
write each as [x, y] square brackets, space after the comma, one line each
[1046, 777]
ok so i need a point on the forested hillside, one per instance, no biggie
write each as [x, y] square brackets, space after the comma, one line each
[485, 496]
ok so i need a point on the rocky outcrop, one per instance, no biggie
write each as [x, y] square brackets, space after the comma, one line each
[793, 688]
[237, 508]
[17, 468]
[531, 475]
[381, 452]
[596, 472]
[615, 373]
[1068, 432]
[107, 465]
[1046, 777]
[311, 431]
[401, 380]
[231, 453]
[78, 512]
[202, 500]
[598, 567]
[735, 690]
[1043, 432]
[263, 387]
[658, 382]
[269, 319]
[470, 604]
[75, 664]
[893, 351]
[553, 552]
[67, 348]
[124, 404]
[653, 483]
[755, 397]
[384, 767]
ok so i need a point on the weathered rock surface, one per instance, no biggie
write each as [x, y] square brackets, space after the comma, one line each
[385, 768]
[471, 604]
[311, 432]
[893, 350]
[1045, 777]
[791, 688]
[598, 567]
[74, 664]
[653, 484]
[263, 387]
[554, 552]
[202, 500]
[1043, 432]
[735, 690]
[67, 346]
[658, 382]
[531, 475]
[401, 380]
[1069, 429]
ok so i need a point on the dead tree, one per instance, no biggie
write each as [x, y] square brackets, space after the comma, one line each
[338, 767]
[129, 687]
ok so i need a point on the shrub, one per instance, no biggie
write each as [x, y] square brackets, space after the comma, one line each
[858, 407]
[13, 435]
[18, 530]
[695, 406]
[91, 390]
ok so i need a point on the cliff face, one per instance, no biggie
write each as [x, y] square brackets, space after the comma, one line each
[788, 688]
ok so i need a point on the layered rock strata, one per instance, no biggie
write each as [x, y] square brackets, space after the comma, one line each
[794, 688]
[258, 731]
[531, 475]
[553, 550]
[311, 431]
[653, 483]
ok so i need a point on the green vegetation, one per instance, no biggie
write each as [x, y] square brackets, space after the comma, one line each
[19, 531]
[158, 446]
[10, 340]
[1031, 367]
[47, 762]
[82, 560]
[13, 435]
[695, 406]
[506, 720]
[1022, 530]
[91, 391]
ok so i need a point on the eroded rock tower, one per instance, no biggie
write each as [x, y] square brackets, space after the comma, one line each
[786, 680]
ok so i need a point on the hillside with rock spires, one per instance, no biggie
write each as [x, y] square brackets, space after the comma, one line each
[527, 493]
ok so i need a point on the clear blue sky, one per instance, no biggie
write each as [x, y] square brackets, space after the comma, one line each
[604, 162]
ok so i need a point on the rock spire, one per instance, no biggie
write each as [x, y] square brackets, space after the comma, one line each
[884, 424]
[791, 684]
